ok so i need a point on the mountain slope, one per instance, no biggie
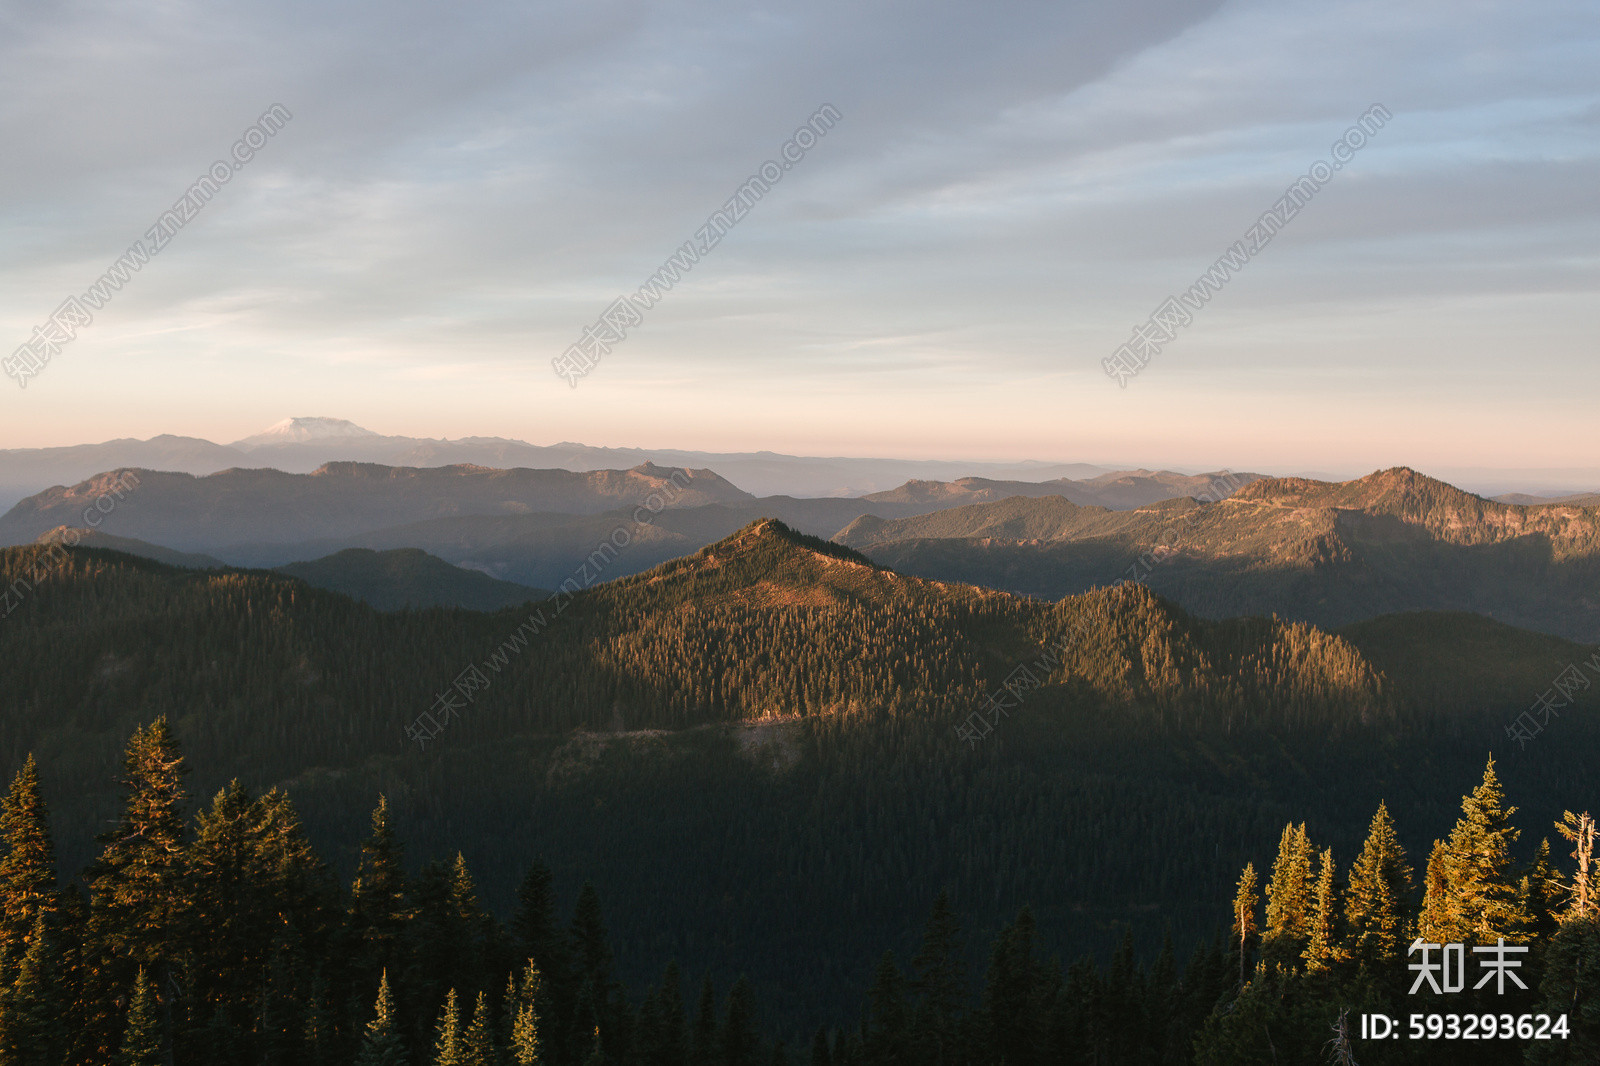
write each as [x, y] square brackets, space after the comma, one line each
[1118, 490]
[1329, 553]
[753, 751]
[94, 538]
[409, 577]
[341, 499]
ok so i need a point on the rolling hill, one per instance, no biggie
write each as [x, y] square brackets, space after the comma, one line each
[240, 506]
[1328, 553]
[753, 751]
[409, 577]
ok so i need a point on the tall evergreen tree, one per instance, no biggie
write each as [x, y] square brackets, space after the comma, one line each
[705, 1025]
[137, 886]
[1473, 896]
[478, 1042]
[32, 1032]
[1245, 902]
[821, 1052]
[1289, 903]
[522, 1005]
[382, 1044]
[671, 1047]
[1015, 995]
[888, 1020]
[741, 1042]
[1322, 944]
[1375, 900]
[379, 908]
[448, 1047]
[141, 1041]
[27, 868]
[939, 984]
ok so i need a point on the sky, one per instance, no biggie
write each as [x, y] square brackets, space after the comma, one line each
[1009, 190]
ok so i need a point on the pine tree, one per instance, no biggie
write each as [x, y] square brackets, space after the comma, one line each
[672, 1028]
[821, 1053]
[1375, 898]
[1245, 901]
[141, 1041]
[382, 1043]
[1539, 894]
[1571, 987]
[478, 1042]
[741, 1044]
[1472, 896]
[597, 1053]
[378, 897]
[939, 985]
[522, 1004]
[1321, 944]
[705, 1025]
[137, 887]
[447, 1044]
[27, 870]
[1014, 1008]
[31, 1029]
[887, 1024]
[1289, 892]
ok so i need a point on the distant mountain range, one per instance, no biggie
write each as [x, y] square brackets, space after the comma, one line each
[388, 580]
[527, 526]
[1328, 553]
[301, 445]
[409, 577]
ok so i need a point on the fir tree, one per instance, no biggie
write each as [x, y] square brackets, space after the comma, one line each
[138, 889]
[27, 870]
[31, 1029]
[1321, 944]
[1540, 895]
[1571, 987]
[741, 1044]
[478, 1041]
[141, 1040]
[1289, 903]
[887, 1020]
[1375, 899]
[522, 1005]
[382, 1043]
[1472, 896]
[705, 1025]
[939, 983]
[821, 1053]
[1014, 995]
[378, 905]
[1245, 901]
[671, 1047]
[448, 1049]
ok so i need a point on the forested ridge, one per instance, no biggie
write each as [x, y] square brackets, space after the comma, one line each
[229, 941]
[1332, 554]
[752, 752]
